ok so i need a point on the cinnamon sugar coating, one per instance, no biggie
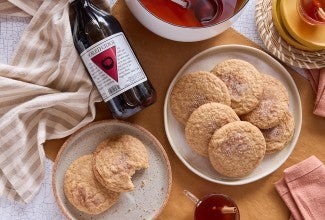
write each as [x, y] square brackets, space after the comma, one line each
[273, 105]
[243, 81]
[236, 149]
[116, 159]
[82, 189]
[204, 121]
[279, 136]
[195, 89]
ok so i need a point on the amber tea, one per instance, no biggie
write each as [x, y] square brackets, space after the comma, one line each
[312, 11]
[214, 206]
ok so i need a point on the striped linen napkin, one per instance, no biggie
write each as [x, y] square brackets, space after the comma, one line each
[45, 94]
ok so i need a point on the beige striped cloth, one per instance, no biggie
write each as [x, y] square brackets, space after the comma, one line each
[45, 94]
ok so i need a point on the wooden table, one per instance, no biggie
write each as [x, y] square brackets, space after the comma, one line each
[161, 60]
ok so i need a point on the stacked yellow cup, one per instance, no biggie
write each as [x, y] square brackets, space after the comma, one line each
[301, 22]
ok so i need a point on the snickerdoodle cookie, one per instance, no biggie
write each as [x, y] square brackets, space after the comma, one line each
[243, 81]
[116, 159]
[272, 107]
[204, 121]
[236, 149]
[195, 89]
[277, 137]
[82, 189]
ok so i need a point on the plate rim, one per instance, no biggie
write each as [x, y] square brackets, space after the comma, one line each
[110, 121]
[231, 47]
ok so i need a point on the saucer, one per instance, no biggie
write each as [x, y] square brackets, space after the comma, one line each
[306, 34]
[277, 20]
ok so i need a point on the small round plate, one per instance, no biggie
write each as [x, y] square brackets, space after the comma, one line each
[206, 60]
[306, 34]
[277, 20]
[152, 185]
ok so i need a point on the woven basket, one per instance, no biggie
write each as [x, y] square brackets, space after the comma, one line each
[278, 46]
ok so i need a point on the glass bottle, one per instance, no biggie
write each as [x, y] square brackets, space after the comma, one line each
[110, 60]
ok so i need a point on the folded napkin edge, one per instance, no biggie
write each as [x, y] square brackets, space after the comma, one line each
[281, 187]
[302, 168]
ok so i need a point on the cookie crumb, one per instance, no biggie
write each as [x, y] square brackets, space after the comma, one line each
[143, 182]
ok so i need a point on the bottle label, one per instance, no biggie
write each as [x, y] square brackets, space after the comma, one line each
[113, 66]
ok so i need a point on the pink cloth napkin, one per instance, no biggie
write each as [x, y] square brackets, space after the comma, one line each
[317, 80]
[303, 189]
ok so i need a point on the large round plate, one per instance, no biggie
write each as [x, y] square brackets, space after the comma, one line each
[206, 60]
[152, 185]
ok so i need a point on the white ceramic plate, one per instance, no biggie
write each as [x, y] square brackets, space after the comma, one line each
[152, 185]
[206, 60]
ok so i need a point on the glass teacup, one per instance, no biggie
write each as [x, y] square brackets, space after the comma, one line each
[214, 206]
[312, 11]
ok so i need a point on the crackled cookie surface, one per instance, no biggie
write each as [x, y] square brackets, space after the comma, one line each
[273, 106]
[204, 121]
[195, 89]
[116, 159]
[279, 136]
[236, 149]
[243, 81]
[82, 189]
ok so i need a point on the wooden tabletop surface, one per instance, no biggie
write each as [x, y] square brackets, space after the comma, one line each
[161, 60]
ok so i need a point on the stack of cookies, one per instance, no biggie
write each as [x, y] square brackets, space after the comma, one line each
[233, 115]
[93, 182]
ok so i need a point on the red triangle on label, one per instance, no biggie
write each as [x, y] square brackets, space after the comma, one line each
[106, 61]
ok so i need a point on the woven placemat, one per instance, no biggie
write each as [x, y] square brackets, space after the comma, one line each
[278, 46]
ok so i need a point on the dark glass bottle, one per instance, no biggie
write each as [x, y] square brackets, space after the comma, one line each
[110, 60]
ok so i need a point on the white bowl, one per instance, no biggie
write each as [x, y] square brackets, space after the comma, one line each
[176, 32]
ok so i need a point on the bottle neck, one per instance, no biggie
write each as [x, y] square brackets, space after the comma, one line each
[77, 4]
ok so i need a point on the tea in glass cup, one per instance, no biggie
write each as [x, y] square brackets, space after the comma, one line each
[214, 207]
[312, 11]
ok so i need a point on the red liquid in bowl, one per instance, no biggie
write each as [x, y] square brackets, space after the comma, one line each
[177, 15]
